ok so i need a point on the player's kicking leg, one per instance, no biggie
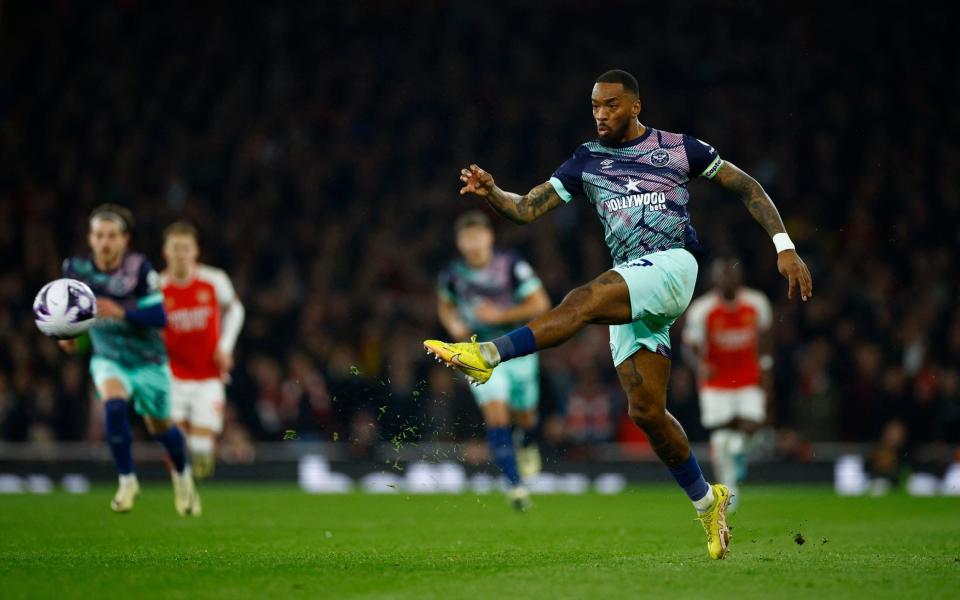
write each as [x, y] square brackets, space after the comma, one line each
[642, 299]
[603, 301]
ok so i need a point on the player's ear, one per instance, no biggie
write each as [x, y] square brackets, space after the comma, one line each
[635, 110]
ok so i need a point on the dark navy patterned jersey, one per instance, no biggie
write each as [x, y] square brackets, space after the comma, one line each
[135, 284]
[504, 282]
[639, 189]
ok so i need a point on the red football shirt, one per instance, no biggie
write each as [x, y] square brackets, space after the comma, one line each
[728, 333]
[193, 321]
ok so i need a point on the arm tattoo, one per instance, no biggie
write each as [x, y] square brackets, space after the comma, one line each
[753, 196]
[523, 209]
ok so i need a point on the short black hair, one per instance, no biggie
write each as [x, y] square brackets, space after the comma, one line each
[114, 212]
[472, 218]
[620, 76]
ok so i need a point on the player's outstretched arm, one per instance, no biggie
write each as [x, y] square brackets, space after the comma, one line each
[761, 207]
[519, 209]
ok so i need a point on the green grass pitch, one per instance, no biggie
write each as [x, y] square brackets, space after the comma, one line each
[278, 542]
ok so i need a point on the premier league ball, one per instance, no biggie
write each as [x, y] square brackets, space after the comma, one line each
[65, 308]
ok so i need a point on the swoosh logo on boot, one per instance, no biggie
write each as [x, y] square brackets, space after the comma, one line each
[456, 361]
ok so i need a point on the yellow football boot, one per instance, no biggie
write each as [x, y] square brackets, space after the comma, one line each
[464, 357]
[715, 523]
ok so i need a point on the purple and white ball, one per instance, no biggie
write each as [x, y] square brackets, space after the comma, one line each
[65, 308]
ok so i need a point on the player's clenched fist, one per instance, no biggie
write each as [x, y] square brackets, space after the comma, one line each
[476, 181]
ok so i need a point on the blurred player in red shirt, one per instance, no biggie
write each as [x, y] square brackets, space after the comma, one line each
[204, 318]
[728, 330]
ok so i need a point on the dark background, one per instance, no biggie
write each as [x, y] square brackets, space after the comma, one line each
[317, 148]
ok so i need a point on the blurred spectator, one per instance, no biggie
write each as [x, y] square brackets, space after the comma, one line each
[886, 463]
[317, 146]
[591, 408]
[235, 445]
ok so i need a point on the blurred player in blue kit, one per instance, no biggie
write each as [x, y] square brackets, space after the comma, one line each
[635, 177]
[129, 362]
[489, 293]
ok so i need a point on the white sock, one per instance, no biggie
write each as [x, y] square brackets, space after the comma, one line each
[185, 474]
[724, 468]
[703, 504]
[128, 478]
[490, 353]
[737, 444]
[200, 444]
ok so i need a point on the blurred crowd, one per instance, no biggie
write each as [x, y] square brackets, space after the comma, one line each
[317, 148]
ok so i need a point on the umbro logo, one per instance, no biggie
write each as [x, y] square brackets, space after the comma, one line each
[606, 164]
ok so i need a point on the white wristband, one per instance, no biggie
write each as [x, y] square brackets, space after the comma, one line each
[783, 242]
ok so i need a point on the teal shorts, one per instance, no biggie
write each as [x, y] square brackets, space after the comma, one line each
[148, 387]
[661, 287]
[516, 382]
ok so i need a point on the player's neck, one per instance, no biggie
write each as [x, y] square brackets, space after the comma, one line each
[480, 264]
[634, 130]
[729, 296]
[182, 277]
[105, 266]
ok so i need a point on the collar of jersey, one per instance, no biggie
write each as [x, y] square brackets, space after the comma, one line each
[632, 142]
[93, 263]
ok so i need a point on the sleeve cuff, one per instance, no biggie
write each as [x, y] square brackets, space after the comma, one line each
[150, 300]
[528, 287]
[561, 191]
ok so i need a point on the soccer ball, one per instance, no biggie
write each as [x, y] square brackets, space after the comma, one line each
[65, 308]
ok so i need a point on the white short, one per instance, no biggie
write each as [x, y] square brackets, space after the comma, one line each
[719, 406]
[199, 402]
